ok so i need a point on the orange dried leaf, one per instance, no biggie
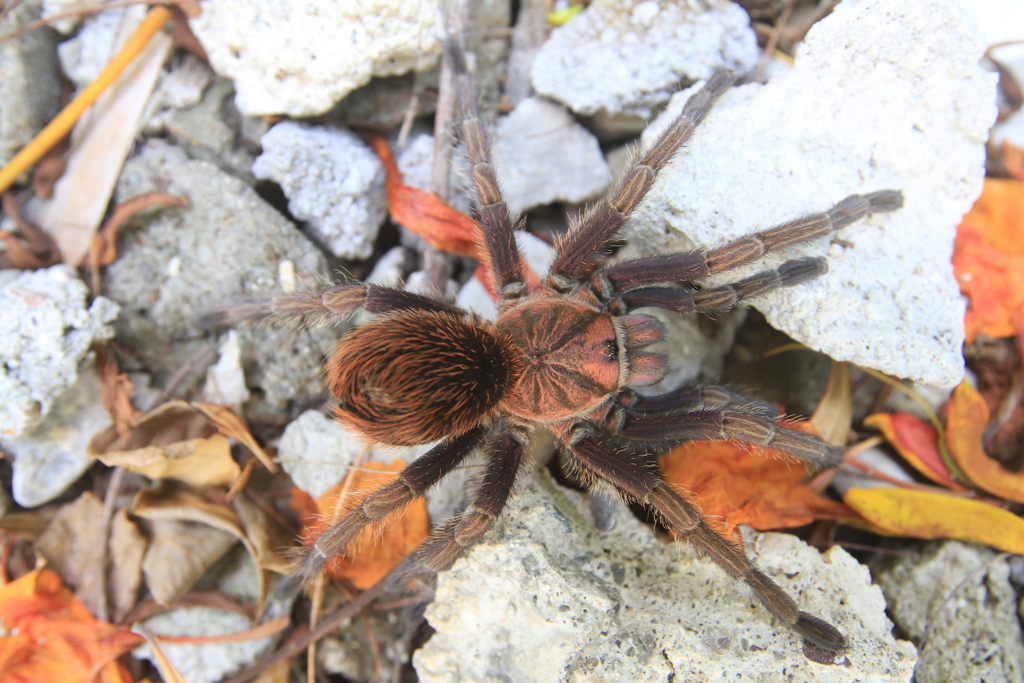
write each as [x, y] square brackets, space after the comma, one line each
[762, 488]
[425, 213]
[966, 418]
[988, 259]
[53, 637]
[377, 550]
[927, 515]
[918, 443]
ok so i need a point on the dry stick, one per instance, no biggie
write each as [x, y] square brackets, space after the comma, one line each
[435, 262]
[324, 628]
[61, 125]
[773, 40]
[109, 500]
[318, 582]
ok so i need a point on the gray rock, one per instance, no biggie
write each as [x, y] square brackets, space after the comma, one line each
[860, 111]
[225, 248]
[299, 59]
[543, 156]
[203, 130]
[46, 329]
[52, 457]
[546, 597]
[332, 180]
[29, 80]
[628, 56]
[961, 602]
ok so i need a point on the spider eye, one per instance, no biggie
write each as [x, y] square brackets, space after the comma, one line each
[613, 350]
[413, 377]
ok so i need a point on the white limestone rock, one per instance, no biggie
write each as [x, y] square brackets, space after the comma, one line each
[51, 457]
[546, 597]
[332, 180]
[628, 56]
[301, 58]
[542, 156]
[883, 95]
[46, 329]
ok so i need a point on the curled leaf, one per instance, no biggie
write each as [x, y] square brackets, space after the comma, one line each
[171, 442]
[927, 515]
[966, 418]
[425, 213]
[918, 443]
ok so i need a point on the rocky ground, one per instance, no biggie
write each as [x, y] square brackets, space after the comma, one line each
[259, 118]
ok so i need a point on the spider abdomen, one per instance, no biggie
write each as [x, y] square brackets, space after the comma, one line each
[572, 355]
[411, 377]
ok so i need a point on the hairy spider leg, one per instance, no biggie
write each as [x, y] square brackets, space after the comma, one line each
[501, 256]
[423, 473]
[603, 220]
[325, 303]
[668, 425]
[506, 452]
[642, 482]
[694, 265]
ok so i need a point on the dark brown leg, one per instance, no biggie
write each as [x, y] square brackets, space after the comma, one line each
[604, 219]
[687, 267]
[748, 427]
[412, 483]
[502, 253]
[507, 454]
[644, 484]
[327, 303]
[721, 298]
[686, 398]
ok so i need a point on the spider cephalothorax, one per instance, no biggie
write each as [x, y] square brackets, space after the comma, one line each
[563, 353]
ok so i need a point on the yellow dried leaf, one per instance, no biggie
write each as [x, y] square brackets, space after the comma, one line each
[927, 515]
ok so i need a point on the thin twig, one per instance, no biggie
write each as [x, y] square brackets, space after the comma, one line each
[109, 501]
[773, 40]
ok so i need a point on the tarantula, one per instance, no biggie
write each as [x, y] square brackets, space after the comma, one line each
[562, 353]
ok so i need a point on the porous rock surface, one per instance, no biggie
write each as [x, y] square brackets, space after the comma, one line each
[332, 180]
[226, 248]
[52, 457]
[883, 95]
[957, 601]
[628, 56]
[574, 171]
[300, 58]
[46, 329]
[546, 597]
[29, 83]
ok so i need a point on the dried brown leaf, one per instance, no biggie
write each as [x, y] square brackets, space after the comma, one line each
[71, 546]
[125, 552]
[242, 520]
[230, 425]
[834, 415]
[172, 442]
